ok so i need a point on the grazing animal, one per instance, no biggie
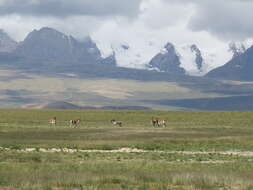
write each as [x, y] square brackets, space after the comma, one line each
[52, 122]
[118, 123]
[158, 123]
[161, 123]
[74, 122]
[154, 122]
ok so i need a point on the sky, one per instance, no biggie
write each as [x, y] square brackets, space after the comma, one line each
[145, 25]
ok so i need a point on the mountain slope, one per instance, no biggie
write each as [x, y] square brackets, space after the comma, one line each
[6, 43]
[237, 49]
[232, 103]
[167, 61]
[239, 68]
[48, 44]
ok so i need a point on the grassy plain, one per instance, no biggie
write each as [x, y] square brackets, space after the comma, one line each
[197, 132]
[91, 92]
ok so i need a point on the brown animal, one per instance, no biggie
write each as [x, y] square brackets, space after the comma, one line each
[154, 122]
[74, 122]
[52, 122]
[118, 123]
[157, 123]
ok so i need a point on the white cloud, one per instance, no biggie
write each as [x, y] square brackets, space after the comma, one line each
[156, 14]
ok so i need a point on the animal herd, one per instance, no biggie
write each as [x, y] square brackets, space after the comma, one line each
[74, 123]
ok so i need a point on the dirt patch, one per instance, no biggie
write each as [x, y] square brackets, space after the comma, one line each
[129, 150]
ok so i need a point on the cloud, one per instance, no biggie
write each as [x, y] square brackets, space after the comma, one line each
[19, 26]
[161, 14]
[153, 23]
[66, 8]
[228, 20]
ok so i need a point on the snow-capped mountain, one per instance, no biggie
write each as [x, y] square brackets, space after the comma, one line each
[199, 59]
[6, 43]
[128, 54]
[168, 60]
[194, 60]
[188, 57]
[191, 59]
[52, 46]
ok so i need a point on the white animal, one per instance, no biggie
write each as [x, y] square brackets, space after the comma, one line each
[161, 123]
[114, 122]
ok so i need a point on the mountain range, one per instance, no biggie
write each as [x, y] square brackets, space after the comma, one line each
[47, 56]
[50, 47]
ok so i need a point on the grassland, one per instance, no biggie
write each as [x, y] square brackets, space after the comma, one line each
[204, 134]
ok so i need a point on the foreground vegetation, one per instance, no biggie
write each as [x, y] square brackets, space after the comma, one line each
[186, 131]
[122, 171]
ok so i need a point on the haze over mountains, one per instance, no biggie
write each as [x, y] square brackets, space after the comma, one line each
[51, 53]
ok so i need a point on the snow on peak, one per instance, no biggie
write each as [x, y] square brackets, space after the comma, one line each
[130, 55]
[197, 59]
[126, 56]
[188, 59]
[237, 48]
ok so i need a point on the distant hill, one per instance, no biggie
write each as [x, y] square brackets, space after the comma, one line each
[52, 105]
[65, 105]
[61, 105]
[234, 103]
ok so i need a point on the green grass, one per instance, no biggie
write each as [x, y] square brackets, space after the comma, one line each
[186, 130]
[121, 171]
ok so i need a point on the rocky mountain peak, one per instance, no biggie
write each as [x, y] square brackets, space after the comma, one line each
[199, 59]
[238, 68]
[167, 60]
[6, 43]
[47, 34]
[170, 48]
[110, 60]
[237, 49]
[50, 44]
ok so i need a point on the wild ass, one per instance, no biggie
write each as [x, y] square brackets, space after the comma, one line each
[118, 123]
[161, 123]
[74, 122]
[157, 123]
[52, 122]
